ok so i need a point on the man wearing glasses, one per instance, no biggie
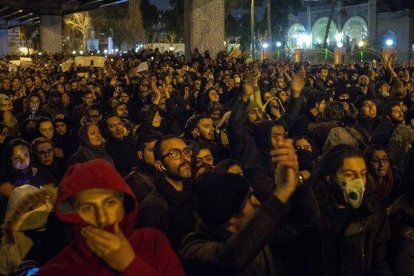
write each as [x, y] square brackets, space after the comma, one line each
[171, 206]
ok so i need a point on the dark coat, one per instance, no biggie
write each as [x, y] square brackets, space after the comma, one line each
[301, 124]
[214, 251]
[402, 236]
[170, 211]
[141, 181]
[123, 153]
[349, 241]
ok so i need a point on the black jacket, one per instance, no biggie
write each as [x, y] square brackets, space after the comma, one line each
[123, 153]
[214, 251]
[141, 181]
[169, 210]
[402, 236]
[349, 241]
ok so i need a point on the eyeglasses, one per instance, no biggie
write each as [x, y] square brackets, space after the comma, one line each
[177, 154]
[45, 152]
[378, 160]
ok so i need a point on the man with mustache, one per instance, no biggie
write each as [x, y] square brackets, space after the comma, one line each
[171, 206]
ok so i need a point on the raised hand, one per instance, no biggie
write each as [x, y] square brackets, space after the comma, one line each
[298, 83]
[114, 249]
[286, 167]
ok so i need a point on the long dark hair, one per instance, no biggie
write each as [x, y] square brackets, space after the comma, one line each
[327, 191]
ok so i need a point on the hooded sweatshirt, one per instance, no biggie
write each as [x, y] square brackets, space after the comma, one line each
[27, 212]
[154, 255]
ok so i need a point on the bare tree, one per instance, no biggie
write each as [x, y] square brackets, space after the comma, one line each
[135, 24]
[80, 22]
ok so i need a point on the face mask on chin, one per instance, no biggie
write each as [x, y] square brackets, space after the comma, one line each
[353, 192]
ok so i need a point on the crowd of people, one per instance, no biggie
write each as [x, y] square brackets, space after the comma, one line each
[213, 166]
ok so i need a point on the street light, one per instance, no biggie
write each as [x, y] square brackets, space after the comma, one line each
[265, 45]
[389, 42]
[278, 44]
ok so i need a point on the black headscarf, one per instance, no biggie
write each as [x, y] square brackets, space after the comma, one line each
[87, 149]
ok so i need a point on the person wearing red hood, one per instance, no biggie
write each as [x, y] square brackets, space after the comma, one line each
[102, 208]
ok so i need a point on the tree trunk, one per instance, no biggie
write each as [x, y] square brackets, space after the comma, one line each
[328, 25]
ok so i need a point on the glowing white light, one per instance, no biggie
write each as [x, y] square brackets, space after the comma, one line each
[40, 53]
[338, 37]
[98, 52]
[389, 42]
[304, 40]
[339, 44]
[116, 50]
[171, 48]
[278, 44]
[73, 52]
[361, 43]
[265, 45]
[81, 52]
[105, 51]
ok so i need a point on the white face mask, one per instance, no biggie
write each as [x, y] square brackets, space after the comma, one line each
[354, 192]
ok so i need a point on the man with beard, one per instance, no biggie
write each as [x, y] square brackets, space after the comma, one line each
[362, 88]
[247, 113]
[141, 179]
[315, 106]
[5, 86]
[34, 103]
[80, 110]
[93, 113]
[171, 207]
[55, 106]
[120, 146]
[401, 136]
[29, 85]
[120, 109]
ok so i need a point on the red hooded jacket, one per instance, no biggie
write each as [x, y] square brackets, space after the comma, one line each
[154, 255]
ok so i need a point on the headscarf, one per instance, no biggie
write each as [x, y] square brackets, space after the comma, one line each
[90, 151]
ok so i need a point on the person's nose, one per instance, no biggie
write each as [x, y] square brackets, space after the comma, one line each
[186, 157]
[101, 217]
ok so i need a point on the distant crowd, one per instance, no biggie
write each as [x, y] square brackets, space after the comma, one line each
[213, 166]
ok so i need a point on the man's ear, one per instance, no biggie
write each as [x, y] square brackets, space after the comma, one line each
[139, 155]
[159, 166]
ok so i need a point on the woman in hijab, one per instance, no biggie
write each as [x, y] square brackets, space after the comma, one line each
[91, 146]
[63, 138]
